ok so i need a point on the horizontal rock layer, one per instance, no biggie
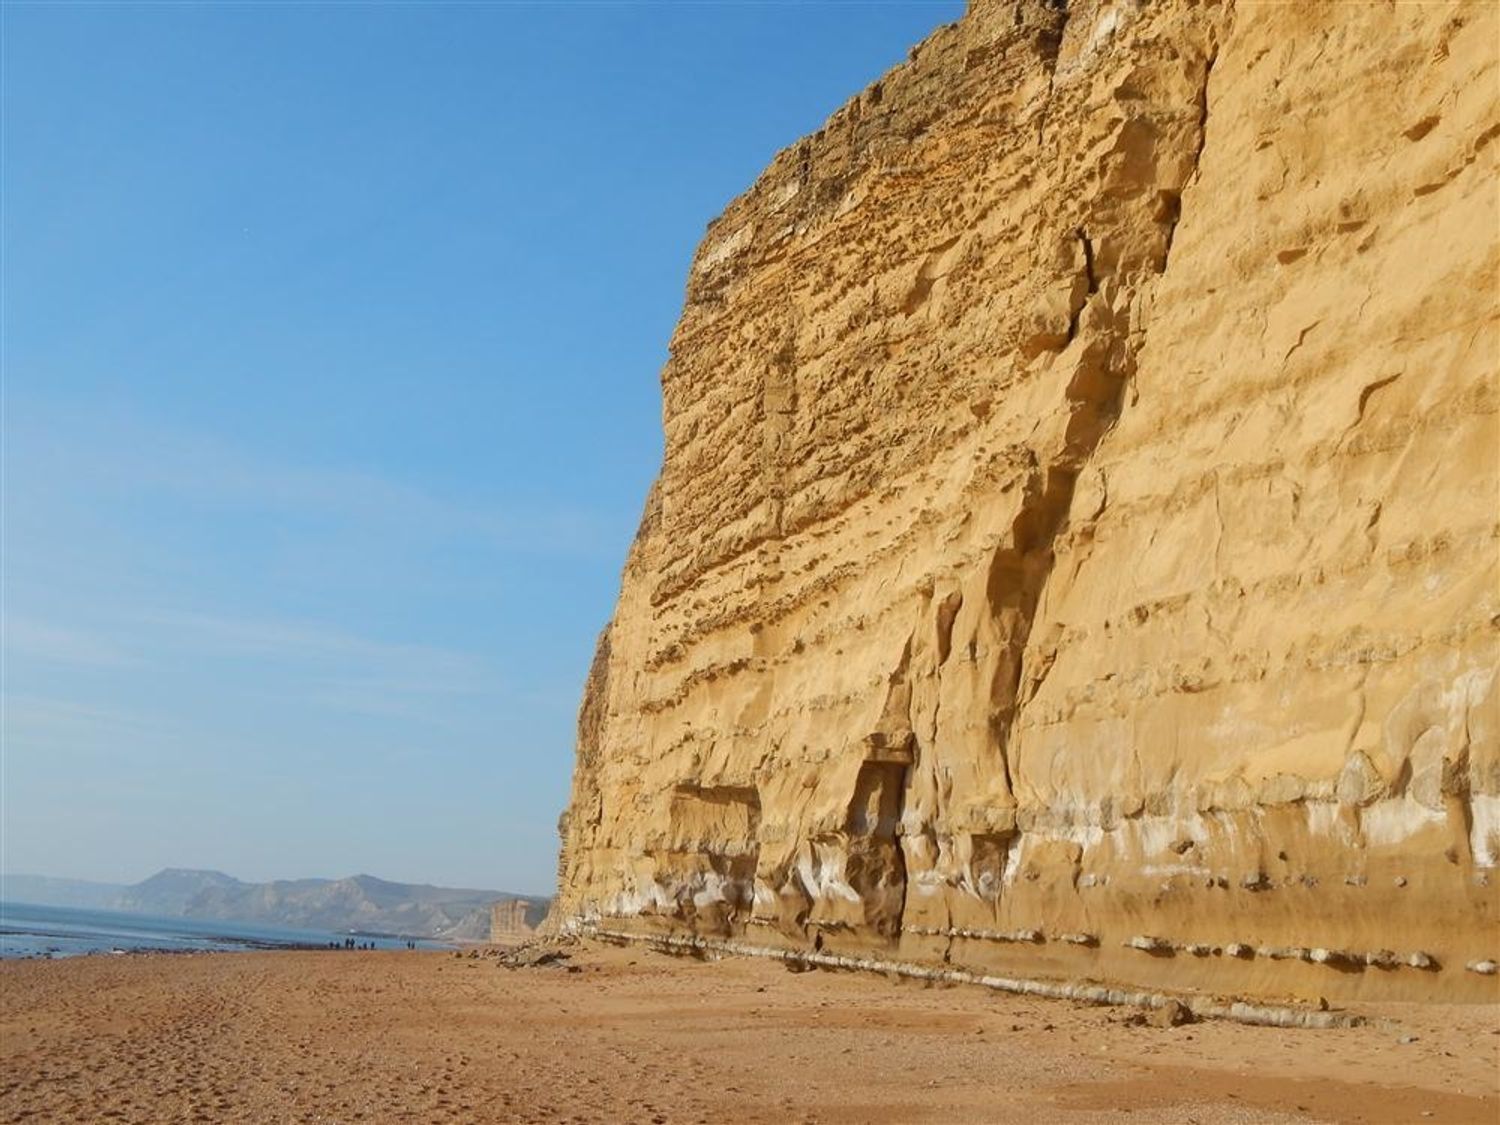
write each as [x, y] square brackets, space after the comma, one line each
[1075, 551]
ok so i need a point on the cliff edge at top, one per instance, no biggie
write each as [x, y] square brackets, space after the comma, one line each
[1075, 551]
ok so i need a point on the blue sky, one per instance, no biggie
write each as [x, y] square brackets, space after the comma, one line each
[331, 342]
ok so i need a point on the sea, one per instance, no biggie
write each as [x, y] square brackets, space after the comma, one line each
[27, 930]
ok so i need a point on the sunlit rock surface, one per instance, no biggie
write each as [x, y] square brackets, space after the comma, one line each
[1076, 547]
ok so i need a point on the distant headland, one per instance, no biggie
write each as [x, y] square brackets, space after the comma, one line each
[358, 902]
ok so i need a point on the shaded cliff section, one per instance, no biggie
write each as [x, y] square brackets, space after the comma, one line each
[1075, 548]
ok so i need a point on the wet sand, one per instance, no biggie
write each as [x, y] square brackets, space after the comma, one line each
[635, 1036]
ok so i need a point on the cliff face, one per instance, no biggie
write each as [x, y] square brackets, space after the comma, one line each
[1076, 546]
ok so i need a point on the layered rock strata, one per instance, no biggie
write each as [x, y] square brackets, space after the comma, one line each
[1075, 551]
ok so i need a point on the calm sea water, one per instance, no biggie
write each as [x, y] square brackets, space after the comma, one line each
[62, 931]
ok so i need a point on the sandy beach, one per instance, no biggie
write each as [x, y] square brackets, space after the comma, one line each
[630, 1035]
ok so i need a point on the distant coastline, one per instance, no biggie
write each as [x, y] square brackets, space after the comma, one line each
[361, 904]
[42, 931]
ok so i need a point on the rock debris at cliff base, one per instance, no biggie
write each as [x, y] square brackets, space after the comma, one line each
[1075, 551]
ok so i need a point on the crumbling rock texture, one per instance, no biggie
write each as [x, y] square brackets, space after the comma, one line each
[1075, 551]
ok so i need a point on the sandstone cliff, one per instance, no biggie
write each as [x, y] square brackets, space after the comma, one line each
[513, 921]
[1076, 545]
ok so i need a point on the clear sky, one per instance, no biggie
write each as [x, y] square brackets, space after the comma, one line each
[331, 342]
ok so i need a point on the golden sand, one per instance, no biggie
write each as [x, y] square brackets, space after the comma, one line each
[630, 1035]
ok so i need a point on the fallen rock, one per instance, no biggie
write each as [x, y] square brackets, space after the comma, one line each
[1170, 1014]
[535, 954]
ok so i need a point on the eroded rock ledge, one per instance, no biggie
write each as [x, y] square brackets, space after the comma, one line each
[1075, 552]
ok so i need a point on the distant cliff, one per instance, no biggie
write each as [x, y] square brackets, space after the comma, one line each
[1075, 552]
[360, 902]
[516, 919]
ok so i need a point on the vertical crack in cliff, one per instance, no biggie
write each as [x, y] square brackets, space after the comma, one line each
[1173, 199]
[1090, 280]
[778, 405]
[1088, 261]
[1049, 44]
[1022, 571]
